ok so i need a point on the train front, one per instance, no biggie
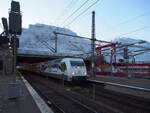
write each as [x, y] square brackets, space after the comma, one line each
[78, 70]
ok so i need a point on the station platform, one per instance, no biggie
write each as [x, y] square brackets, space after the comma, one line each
[130, 85]
[131, 81]
[25, 103]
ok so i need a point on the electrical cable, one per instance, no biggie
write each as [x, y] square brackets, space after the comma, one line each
[134, 18]
[65, 9]
[136, 30]
[82, 13]
[75, 11]
[130, 20]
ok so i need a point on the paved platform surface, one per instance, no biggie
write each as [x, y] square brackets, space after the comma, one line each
[137, 82]
[23, 104]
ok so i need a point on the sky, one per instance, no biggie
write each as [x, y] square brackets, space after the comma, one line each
[113, 19]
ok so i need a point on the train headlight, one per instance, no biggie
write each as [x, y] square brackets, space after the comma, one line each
[85, 73]
[73, 73]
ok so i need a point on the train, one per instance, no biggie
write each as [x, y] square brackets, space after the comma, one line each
[68, 69]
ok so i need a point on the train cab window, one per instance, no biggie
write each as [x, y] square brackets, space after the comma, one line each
[77, 63]
[62, 66]
[55, 66]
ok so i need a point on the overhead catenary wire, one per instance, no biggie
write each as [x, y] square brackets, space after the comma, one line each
[75, 11]
[136, 30]
[65, 9]
[69, 5]
[130, 20]
[134, 18]
[82, 13]
[72, 3]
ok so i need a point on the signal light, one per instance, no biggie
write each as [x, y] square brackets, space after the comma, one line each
[15, 6]
[15, 21]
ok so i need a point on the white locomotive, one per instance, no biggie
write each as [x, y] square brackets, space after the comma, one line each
[71, 68]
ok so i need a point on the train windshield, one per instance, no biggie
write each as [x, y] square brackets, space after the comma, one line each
[77, 63]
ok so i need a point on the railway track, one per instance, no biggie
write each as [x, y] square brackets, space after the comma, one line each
[105, 101]
[123, 102]
[63, 102]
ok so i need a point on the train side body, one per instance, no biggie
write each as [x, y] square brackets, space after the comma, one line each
[75, 69]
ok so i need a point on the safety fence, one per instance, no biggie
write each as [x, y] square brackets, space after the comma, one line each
[133, 70]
